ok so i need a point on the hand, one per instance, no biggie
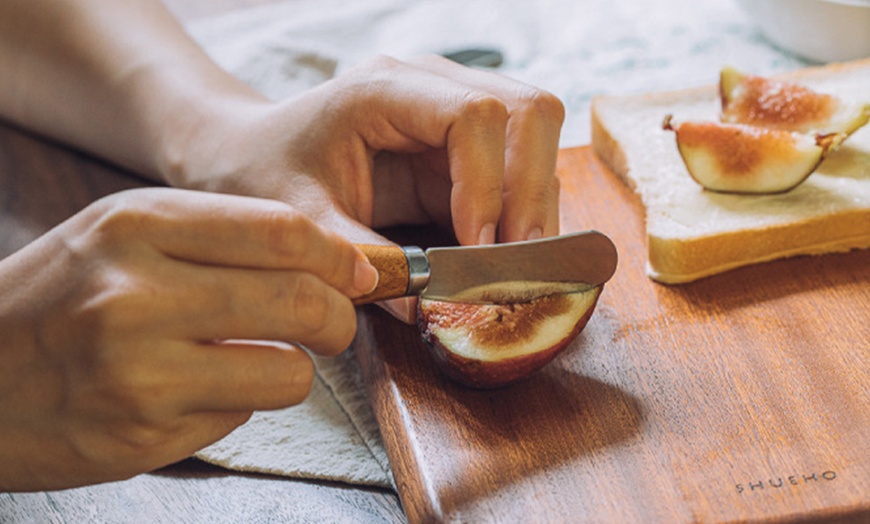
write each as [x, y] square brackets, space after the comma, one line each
[125, 330]
[391, 143]
[386, 143]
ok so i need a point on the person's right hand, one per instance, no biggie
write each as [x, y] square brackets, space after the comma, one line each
[387, 143]
[128, 331]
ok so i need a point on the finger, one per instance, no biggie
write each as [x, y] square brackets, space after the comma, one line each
[535, 117]
[200, 429]
[476, 198]
[404, 309]
[246, 376]
[223, 230]
[291, 306]
[414, 106]
[187, 435]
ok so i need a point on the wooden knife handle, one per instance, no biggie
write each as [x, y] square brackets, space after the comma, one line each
[392, 266]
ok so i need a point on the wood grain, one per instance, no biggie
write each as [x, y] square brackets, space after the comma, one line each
[741, 397]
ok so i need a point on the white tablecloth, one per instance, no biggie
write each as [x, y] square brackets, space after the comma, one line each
[575, 49]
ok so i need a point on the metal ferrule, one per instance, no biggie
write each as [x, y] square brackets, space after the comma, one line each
[418, 269]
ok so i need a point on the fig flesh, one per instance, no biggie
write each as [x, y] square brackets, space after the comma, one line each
[737, 158]
[492, 345]
[763, 102]
[770, 137]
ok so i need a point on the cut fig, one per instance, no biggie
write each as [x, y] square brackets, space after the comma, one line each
[771, 137]
[737, 158]
[763, 102]
[492, 345]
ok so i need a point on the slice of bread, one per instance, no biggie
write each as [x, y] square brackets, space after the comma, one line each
[693, 233]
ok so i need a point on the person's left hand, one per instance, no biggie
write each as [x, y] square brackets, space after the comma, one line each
[392, 143]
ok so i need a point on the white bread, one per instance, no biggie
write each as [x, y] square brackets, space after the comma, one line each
[693, 233]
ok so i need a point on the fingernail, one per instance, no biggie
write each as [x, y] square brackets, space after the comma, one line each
[487, 235]
[365, 276]
[535, 234]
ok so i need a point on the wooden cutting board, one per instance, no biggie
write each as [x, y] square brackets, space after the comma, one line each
[745, 396]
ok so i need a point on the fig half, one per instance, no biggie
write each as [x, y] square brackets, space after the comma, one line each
[772, 104]
[772, 134]
[737, 158]
[492, 345]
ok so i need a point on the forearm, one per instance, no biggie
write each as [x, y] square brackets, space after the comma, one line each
[119, 79]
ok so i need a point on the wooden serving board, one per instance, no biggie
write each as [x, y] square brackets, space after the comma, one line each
[741, 397]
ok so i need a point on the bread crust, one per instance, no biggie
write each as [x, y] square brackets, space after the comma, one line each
[693, 233]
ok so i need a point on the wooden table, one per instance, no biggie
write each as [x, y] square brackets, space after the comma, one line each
[41, 184]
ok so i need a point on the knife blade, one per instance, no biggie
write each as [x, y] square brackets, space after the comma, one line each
[497, 273]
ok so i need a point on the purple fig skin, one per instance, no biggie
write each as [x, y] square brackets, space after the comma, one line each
[493, 374]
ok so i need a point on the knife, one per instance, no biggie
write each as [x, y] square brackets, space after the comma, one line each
[498, 273]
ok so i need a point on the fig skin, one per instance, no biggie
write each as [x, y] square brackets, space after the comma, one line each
[743, 159]
[771, 135]
[495, 373]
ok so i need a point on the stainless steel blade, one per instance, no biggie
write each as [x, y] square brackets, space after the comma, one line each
[520, 271]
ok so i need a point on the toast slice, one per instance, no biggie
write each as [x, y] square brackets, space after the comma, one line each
[694, 233]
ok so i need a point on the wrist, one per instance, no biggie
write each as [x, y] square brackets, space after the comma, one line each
[194, 136]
